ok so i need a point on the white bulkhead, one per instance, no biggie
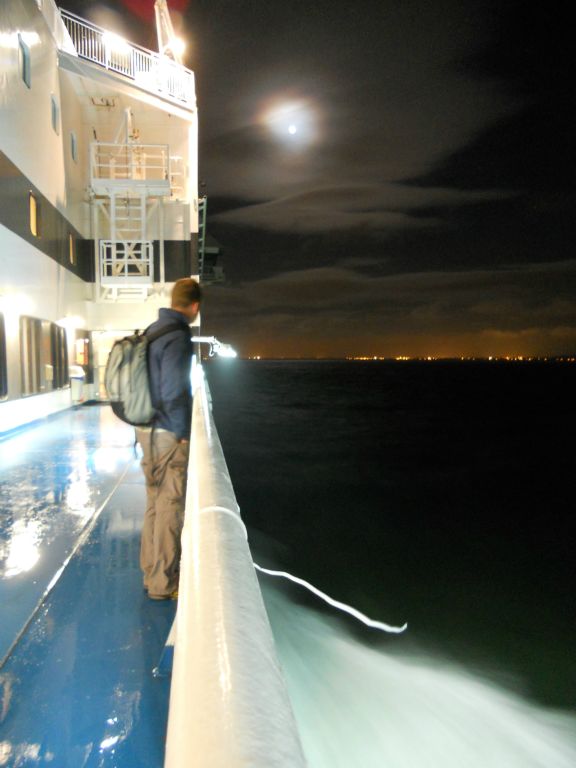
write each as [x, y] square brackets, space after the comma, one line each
[98, 198]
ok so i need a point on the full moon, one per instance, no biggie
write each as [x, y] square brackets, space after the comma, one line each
[293, 122]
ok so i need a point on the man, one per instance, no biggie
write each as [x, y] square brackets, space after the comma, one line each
[166, 444]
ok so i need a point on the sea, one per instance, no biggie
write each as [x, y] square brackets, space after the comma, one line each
[439, 494]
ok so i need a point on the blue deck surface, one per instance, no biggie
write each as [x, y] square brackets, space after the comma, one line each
[77, 688]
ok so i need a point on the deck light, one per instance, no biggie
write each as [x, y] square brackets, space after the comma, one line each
[177, 46]
[216, 347]
[115, 44]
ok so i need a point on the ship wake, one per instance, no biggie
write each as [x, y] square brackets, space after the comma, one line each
[358, 706]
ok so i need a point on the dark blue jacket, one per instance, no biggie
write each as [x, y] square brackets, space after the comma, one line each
[169, 364]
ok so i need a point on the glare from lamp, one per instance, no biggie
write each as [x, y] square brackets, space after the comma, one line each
[115, 44]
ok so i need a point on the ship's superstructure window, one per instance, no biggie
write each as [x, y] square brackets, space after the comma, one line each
[25, 65]
[83, 354]
[34, 215]
[3, 365]
[30, 352]
[44, 356]
[71, 249]
[55, 114]
[59, 350]
[74, 146]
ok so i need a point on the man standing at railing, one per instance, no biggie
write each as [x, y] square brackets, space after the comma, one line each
[166, 444]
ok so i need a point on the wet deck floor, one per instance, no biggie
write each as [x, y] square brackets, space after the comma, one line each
[76, 689]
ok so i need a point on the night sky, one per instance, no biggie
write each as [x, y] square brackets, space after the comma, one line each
[385, 177]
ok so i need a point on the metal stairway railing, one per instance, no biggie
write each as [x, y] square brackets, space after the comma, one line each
[149, 70]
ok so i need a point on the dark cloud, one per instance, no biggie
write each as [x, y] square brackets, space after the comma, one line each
[369, 207]
[329, 310]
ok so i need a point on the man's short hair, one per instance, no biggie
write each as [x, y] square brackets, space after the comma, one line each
[186, 291]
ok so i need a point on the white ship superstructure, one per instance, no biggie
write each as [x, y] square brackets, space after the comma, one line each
[99, 207]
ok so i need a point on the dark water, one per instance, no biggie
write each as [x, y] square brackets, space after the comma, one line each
[441, 494]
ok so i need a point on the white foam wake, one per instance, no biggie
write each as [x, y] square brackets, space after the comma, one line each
[357, 707]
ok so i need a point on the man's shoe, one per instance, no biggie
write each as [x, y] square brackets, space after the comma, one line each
[171, 596]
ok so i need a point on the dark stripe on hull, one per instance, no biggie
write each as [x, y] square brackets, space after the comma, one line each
[180, 256]
[55, 229]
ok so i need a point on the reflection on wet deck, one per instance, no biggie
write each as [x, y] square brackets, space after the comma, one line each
[77, 690]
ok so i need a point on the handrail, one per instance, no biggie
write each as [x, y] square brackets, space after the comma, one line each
[111, 160]
[229, 707]
[151, 71]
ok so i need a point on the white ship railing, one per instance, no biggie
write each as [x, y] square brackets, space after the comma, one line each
[154, 73]
[140, 162]
[229, 707]
[129, 261]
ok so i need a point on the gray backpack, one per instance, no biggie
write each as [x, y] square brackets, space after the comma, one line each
[126, 377]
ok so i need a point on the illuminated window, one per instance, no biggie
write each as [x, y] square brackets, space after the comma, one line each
[74, 146]
[71, 249]
[25, 66]
[34, 215]
[3, 365]
[55, 114]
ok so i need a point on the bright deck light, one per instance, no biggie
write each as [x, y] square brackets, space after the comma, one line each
[177, 46]
[216, 347]
[115, 44]
[226, 351]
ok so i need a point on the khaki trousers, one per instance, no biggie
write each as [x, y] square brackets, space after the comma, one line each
[165, 465]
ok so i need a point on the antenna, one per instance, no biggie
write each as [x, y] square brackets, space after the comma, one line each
[168, 44]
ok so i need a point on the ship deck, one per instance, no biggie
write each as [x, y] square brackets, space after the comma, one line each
[78, 637]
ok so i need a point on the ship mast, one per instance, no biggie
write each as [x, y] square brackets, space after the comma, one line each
[168, 44]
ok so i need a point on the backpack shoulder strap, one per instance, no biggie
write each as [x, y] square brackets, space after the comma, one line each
[167, 329]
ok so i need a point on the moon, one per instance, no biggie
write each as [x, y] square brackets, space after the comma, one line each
[293, 122]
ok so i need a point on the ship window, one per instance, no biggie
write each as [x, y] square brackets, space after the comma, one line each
[43, 356]
[34, 215]
[83, 355]
[55, 114]
[71, 249]
[25, 66]
[74, 146]
[59, 357]
[30, 353]
[3, 366]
